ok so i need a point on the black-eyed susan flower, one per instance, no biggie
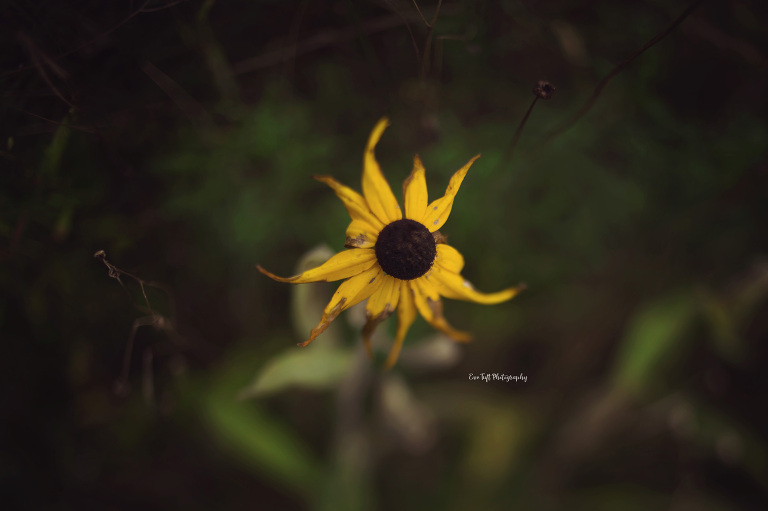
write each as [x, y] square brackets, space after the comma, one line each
[396, 261]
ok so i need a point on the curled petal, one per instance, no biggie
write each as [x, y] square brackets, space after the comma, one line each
[439, 237]
[449, 258]
[427, 301]
[352, 291]
[438, 211]
[406, 314]
[360, 235]
[341, 266]
[356, 205]
[376, 190]
[415, 192]
[452, 285]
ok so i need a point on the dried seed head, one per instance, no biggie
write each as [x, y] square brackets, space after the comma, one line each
[405, 249]
[544, 89]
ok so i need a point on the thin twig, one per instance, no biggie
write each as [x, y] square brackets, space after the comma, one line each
[189, 106]
[116, 272]
[542, 90]
[42, 63]
[428, 42]
[84, 129]
[410, 31]
[289, 60]
[162, 7]
[519, 131]
[154, 319]
[89, 42]
[420, 14]
[616, 70]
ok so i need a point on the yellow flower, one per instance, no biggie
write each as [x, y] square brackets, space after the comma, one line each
[395, 261]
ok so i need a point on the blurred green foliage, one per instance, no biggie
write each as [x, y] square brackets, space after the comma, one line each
[180, 138]
[654, 338]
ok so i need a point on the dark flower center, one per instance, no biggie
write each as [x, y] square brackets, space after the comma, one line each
[405, 249]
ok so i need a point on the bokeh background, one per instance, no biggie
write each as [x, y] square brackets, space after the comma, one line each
[179, 137]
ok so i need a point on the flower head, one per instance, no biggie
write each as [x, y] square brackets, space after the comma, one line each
[398, 262]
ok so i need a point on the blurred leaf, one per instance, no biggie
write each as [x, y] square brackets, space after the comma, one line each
[315, 368]
[433, 353]
[63, 224]
[216, 58]
[619, 497]
[652, 341]
[320, 366]
[308, 301]
[405, 415]
[725, 338]
[351, 462]
[251, 434]
[497, 429]
[349, 485]
[732, 442]
[55, 151]
[729, 313]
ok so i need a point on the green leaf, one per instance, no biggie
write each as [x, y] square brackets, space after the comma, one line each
[314, 368]
[653, 340]
[263, 442]
[55, 151]
[259, 440]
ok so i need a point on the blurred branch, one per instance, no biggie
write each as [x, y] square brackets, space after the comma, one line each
[319, 41]
[46, 66]
[191, 108]
[428, 41]
[154, 319]
[616, 70]
[90, 41]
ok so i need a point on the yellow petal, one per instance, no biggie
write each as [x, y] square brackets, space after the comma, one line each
[352, 291]
[452, 285]
[449, 258]
[385, 300]
[355, 203]
[438, 211]
[415, 192]
[427, 301]
[341, 266]
[380, 306]
[360, 235]
[406, 314]
[376, 190]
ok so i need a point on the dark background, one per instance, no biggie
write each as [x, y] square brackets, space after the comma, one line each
[179, 137]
